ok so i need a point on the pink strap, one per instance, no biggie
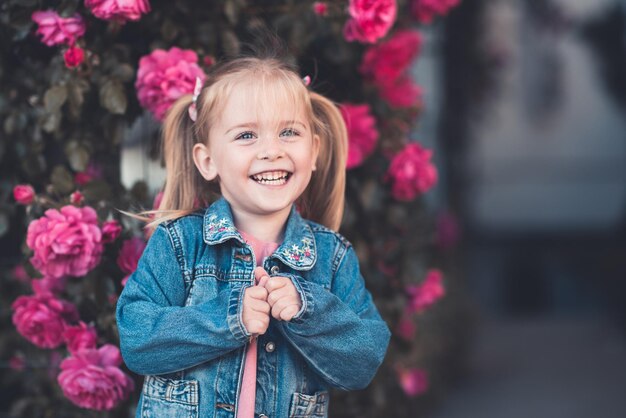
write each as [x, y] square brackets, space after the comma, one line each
[245, 407]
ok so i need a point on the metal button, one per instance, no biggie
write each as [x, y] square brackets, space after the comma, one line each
[270, 347]
[263, 416]
[274, 270]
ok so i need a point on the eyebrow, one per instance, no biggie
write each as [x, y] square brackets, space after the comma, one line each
[255, 125]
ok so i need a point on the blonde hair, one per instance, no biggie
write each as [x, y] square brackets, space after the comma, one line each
[323, 199]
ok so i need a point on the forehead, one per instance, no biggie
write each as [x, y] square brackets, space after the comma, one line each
[261, 102]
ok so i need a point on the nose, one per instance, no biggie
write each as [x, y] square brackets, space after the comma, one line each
[270, 150]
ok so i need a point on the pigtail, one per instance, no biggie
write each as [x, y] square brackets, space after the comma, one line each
[323, 200]
[185, 189]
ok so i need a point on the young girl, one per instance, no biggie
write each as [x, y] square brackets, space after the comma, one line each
[246, 308]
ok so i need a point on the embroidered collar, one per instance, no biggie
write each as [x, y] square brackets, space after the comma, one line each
[297, 250]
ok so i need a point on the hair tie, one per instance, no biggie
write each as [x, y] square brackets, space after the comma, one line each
[193, 111]
[306, 80]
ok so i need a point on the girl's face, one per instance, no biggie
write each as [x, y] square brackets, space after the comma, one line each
[263, 154]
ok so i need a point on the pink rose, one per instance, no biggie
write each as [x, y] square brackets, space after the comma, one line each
[17, 363]
[20, 274]
[424, 295]
[402, 93]
[76, 198]
[412, 172]
[413, 381]
[53, 285]
[110, 231]
[129, 256]
[386, 62]
[164, 76]
[74, 56]
[80, 337]
[92, 379]
[120, 10]
[42, 318]
[362, 133]
[24, 194]
[66, 242]
[369, 20]
[320, 8]
[425, 10]
[406, 327]
[55, 30]
[93, 171]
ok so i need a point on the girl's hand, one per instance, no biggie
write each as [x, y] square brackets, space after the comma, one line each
[283, 298]
[255, 314]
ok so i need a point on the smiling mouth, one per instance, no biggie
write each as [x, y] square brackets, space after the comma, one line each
[273, 178]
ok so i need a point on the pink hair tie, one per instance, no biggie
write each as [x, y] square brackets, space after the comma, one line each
[193, 111]
[306, 80]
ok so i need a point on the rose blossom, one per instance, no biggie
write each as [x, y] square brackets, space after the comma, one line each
[369, 20]
[129, 256]
[76, 198]
[425, 10]
[413, 381]
[362, 133]
[91, 378]
[24, 194]
[402, 93]
[385, 62]
[66, 242]
[320, 8]
[74, 56]
[164, 76]
[19, 273]
[48, 284]
[428, 292]
[110, 231]
[406, 328]
[41, 318]
[55, 30]
[412, 172]
[80, 337]
[120, 10]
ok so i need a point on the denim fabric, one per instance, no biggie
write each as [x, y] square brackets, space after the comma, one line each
[179, 319]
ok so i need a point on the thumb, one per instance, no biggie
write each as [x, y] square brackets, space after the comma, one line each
[260, 276]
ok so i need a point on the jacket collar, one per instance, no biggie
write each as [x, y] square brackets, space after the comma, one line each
[297, 250]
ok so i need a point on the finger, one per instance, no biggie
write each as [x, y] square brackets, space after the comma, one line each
[289, 312]
[260, 306]
[263, 281]
[276, 295]
[256, 292]
[259, 272]
[276, 283]
[280, 305]
[256, 326]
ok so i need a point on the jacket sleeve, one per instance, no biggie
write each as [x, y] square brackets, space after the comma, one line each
[339, 332]
[158, 334]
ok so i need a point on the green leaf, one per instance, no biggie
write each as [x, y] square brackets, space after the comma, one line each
[62, 180]
[113, 97]
[77, 155]
[51, 121]
[76, 96]
[54, 98]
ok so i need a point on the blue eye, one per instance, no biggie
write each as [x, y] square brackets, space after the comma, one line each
[245, 135]
[289, 132]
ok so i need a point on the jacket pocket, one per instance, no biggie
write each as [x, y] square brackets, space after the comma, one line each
[167, 398]
[309, 406]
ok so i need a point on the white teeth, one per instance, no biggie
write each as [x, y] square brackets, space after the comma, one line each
[271, 177]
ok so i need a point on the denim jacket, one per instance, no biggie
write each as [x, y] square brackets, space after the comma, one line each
[180, 322]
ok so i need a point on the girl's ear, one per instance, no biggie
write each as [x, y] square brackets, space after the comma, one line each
[203, 161]
[316, 150]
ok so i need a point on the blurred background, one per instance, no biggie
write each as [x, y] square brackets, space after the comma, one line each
[523, 104]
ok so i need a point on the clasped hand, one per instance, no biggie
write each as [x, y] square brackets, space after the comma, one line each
[277, 295]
